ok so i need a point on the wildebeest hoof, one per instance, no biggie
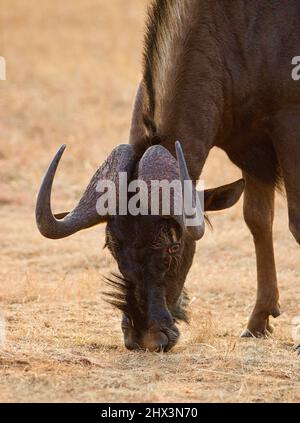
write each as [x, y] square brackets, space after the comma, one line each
[247, 334]
[259, 324]
[266, 333]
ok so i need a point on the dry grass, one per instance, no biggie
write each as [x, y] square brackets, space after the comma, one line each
[72, 69]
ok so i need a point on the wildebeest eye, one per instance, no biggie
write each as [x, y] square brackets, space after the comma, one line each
[174, 248]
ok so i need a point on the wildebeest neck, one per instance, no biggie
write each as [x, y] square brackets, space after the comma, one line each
[181, 84]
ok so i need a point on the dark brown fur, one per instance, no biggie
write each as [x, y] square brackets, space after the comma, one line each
[231, 87]
[217, 73]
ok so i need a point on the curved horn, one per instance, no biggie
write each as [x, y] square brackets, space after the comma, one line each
[85, 214]
[197, 231]
[158, 163]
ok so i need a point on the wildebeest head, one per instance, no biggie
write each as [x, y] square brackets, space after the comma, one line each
[154, 252]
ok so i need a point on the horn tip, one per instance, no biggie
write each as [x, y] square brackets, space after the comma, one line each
[177, 144]
[62, 148]
[59, 154]
[178, 148]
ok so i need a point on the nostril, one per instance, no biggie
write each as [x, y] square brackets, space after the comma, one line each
[130, 336]
[155, 341]
[130, 341]
[130, 344]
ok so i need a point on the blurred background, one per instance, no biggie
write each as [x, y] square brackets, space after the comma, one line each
[72, 69]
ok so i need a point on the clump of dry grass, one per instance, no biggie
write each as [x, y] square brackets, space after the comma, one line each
[68, 83]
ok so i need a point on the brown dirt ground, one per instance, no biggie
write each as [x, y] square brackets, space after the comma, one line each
[72, 71]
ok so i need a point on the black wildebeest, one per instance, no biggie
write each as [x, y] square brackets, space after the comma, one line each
[216, 73]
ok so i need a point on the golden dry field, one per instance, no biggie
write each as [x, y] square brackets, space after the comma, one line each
[72, 71]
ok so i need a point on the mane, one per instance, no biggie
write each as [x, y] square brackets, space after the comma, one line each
[167, 33]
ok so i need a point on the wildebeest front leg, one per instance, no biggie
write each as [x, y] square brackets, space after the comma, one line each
[259, 215]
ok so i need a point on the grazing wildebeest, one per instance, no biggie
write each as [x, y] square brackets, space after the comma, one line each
[216, 73]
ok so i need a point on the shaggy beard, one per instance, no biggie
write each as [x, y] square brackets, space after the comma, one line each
[123, 298]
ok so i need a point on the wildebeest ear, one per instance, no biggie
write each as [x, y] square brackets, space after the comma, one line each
[223, 197]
